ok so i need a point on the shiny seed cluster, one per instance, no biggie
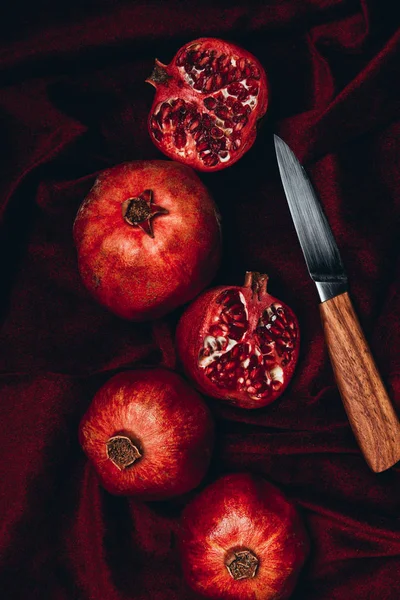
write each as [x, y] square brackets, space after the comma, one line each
[251, 365]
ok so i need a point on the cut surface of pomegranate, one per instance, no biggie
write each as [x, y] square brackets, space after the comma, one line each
[207, 104]
[242, 539]
[239, 343]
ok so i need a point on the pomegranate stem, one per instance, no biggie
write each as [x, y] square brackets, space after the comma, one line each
[122, 451]
[257, 281]
[241, 564]
[159, 75]
[140, 211]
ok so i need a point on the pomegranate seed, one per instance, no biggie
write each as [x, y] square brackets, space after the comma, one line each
[252, 86]
[243, 95]
[239, 126]
[246, 72]
[236, 143]
[236, 74]
[180, 138]
[210, 102]
[275, 330]
[188, 120]
[208, 84]
[251, 390]
[238, 318]
[215, 145]
[228, 123]
[201, 146]
[241, 63]
[238, 108]
[203, 60]
[197, 133]
[178, 103]
[217, 82]
[207, 120]
[199, 82]
[230, 101]
[230, 365]
[216, 132]
[175, 118]
[240, 324]
[255, 73]
[204, 136]
[221, 111]
[223, 154]
[223, 61]
[216, 331]
[165, 112]
[225, 317]
[188, 68]
[236, 350]
[235, 88]
[194, 124]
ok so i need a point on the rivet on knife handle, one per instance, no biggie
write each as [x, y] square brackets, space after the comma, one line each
[371, 414]
[368, 407]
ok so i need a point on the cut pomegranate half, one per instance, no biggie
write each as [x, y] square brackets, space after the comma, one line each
[239, 343]
[207, 104]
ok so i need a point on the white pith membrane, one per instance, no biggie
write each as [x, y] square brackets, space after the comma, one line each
[225, 90]
[244, 356]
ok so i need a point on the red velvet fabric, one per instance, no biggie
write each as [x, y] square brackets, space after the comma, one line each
[73, 101]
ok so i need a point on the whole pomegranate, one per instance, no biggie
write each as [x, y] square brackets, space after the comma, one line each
[148, 434]
[207, 104]
[148, 238]
[239, 343]
[241, 539]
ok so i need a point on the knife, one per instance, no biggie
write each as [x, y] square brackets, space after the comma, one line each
[368, 407]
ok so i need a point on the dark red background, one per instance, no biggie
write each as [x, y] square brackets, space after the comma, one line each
[73, 101]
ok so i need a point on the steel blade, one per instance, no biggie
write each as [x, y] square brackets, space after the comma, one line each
[315, 236]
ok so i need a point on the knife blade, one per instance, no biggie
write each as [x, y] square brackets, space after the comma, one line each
[367, 404]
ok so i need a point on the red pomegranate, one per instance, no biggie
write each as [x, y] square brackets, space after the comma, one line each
[148, 238]
[241, 539]
[148, 434]
[239, 343]
[207, 104]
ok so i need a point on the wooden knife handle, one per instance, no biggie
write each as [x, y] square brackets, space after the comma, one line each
[368, 407]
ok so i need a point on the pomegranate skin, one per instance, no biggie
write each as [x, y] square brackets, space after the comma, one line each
[144, 270]
[169, 425]
[241, 539]
[195, 331]
[207, 124]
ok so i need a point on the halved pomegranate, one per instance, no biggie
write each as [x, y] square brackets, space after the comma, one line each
[208, 101]
[239, 343]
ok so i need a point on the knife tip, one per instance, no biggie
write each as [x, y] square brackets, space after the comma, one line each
[278, 141]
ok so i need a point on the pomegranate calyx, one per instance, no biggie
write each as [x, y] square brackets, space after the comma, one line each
[140, 210]
[159, 75]
[242, 564]
[257, 282]
[122, 452]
